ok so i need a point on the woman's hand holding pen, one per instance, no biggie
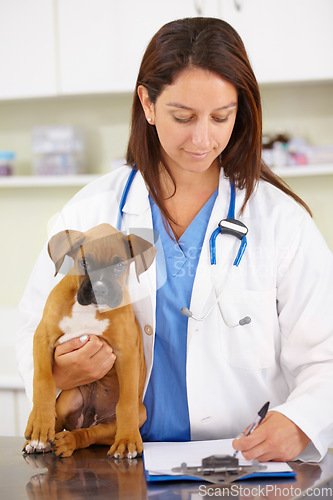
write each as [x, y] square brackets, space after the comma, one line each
[277, 438]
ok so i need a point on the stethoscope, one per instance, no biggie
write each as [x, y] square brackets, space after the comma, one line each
[230, 226]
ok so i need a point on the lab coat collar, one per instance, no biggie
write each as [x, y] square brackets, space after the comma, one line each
[138, 200]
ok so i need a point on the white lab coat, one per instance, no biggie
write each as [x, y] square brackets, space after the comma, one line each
[284, 283]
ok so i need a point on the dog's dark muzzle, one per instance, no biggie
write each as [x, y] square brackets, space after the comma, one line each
[102, 292]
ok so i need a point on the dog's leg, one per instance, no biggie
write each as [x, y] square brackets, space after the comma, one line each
[66, 442]
[128, 441]
[73, 408]
[124, 431]
[69, 410]
[40, 429]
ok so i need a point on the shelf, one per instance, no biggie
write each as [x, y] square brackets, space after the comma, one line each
[33, 181]
[304, 170]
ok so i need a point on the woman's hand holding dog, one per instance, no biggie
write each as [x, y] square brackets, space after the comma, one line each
[81, 361]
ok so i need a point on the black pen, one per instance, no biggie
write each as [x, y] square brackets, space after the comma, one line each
[255, 423]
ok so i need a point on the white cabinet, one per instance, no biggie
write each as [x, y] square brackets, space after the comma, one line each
[50, 47]
[101, 42]
[287, 40]
[87, 46]
[27, 48]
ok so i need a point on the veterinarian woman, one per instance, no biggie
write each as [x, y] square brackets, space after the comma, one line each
[196, 137]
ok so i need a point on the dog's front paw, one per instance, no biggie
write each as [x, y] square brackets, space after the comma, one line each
[64, 444]
[128, 446]
[35, 446]
[39, 432]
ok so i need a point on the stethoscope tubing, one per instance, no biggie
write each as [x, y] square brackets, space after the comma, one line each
[216, 232]
[230, 225]
[124, 197]
[236, 228]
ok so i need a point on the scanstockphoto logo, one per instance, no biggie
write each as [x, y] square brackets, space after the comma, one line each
[265, 262]
[270, 491]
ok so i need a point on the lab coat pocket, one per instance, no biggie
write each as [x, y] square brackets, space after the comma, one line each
[252, 346]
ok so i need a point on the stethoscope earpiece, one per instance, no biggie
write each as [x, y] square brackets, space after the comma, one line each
[245, 321]
[242, 322]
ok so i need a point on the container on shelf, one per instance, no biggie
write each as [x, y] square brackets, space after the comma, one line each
[282, 150]
[321, 154]
[6, 162]
[58, 150]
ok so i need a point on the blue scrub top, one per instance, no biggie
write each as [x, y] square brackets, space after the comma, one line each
[166, 396]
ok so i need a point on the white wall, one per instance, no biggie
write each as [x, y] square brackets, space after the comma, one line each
[305, 109]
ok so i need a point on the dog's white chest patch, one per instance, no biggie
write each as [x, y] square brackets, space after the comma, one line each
[82, 322]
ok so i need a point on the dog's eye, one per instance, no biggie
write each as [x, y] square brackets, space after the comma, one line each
[119, 269]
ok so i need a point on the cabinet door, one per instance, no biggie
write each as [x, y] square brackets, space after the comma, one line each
[287, 40]
[27, 49]
[101, 42]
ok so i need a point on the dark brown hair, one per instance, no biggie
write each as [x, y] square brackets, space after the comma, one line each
[213, 45]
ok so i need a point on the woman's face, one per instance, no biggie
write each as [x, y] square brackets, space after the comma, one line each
[194, 119]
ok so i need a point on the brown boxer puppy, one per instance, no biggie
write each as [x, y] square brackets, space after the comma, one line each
[91, 299]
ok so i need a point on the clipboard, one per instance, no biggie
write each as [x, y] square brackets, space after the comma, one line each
[162, 462]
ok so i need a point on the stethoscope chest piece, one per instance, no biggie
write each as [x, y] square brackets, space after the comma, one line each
[237, 229]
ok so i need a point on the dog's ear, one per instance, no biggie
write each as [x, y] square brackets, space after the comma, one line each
[142, 252]
[62, 244]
